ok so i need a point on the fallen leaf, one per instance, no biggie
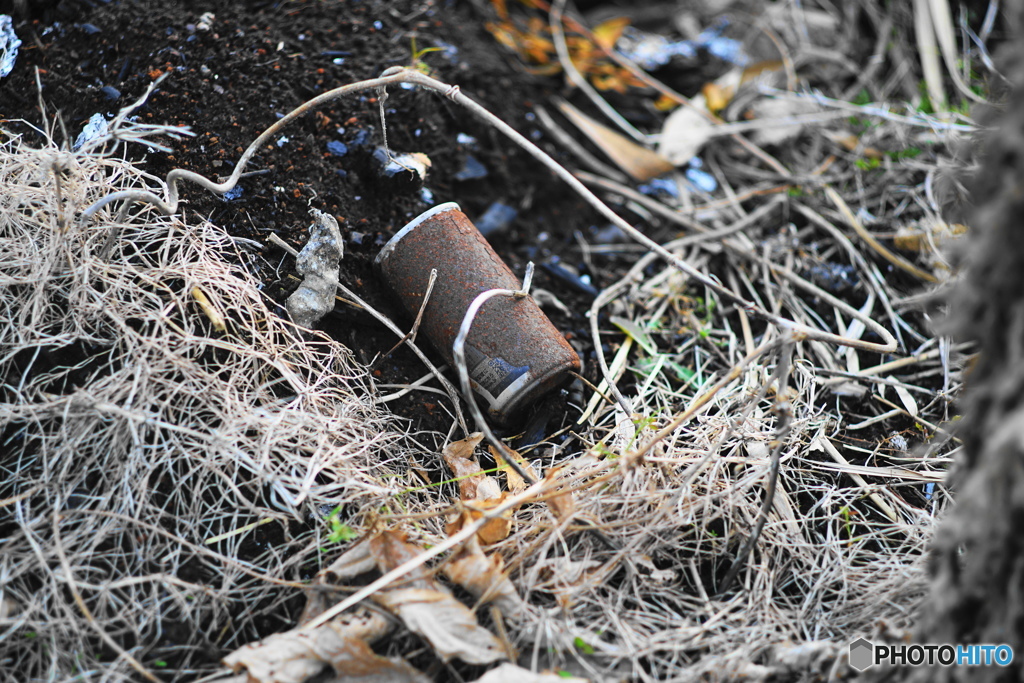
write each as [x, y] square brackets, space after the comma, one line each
[564, 570]
[776, 109]
[685, 132]
[634, 330]
[459, 457]
[927, 235]
[342, 643]
[639, 162]
[444, 622]
[514, 482]
[493, 531]
[488, 489]
[484, 577]
[688, 128]
[908, 401]
[353, 562]
[390, 550]
[562, 505]
[716, 97]
[607, 33]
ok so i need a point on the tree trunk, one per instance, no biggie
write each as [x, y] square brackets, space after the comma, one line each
[977, 562]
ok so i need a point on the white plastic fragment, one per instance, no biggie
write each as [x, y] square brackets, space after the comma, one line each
[9, 44]
[96, 128]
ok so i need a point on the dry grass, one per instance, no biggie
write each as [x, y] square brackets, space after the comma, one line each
[135, 431]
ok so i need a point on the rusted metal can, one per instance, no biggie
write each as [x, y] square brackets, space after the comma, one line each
[513, 352]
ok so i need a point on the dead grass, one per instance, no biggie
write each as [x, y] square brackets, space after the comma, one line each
[136, 431]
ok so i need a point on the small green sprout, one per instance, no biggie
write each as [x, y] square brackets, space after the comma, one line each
[417, 56]
[340, 533]
[583, 646]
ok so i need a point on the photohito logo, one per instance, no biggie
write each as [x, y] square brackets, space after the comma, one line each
[863, 654]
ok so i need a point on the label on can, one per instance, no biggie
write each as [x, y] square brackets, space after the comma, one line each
[495, 378]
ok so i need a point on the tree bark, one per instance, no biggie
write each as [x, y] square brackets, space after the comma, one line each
[977, 561]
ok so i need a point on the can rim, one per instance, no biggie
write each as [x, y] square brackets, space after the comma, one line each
[410, 226]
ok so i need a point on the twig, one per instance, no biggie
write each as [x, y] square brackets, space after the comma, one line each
[403, 75]
[538, 487]
[577, 79]
[892, 258]
[784, 410]
[675, 96]
[453, 393]
[459, 353]
[859, 480]
[581, 152]
[411, 334]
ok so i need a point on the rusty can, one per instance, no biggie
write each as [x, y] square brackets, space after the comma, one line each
[513, 352]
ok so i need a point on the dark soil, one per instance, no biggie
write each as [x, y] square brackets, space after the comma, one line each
[259, 60]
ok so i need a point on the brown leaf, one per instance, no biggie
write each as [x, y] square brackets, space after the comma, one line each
[353, 562]
[296, 656]
[459, 456]
[562, 504]
[514, 482]
[493, 531]
[639, 162]
[607, 33]
[716, 96]
[484, 577]
[390, 550]
[444, 622]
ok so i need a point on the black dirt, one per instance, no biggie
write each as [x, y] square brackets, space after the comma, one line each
[231, 76]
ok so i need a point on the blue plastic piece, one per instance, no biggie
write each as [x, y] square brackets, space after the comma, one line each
[496, 218]
[471, 170]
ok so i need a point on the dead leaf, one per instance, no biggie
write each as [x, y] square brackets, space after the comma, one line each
[906, 399]
[484, 577]
[688, 128]
[459, 457]
[716, 97]
[639, 162]
[353, 562]
[776, 109]
[390, 550]
[564, 570]
[927, 235]
[342, 643]
[607, 33]
[510, 673]
[494, 530]
[685, 132]
[562, 505]
[514, 482]
[488, 489]
[444, 622]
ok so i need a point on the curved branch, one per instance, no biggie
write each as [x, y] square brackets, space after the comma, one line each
[413, 77]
